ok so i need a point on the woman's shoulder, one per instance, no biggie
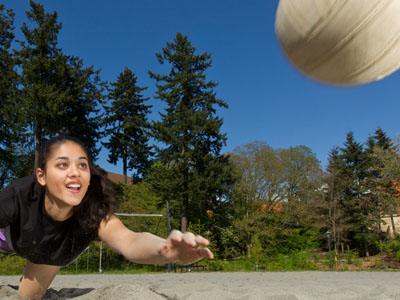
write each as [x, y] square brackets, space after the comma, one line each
[26, 187]
[16, 196]
[23, 180]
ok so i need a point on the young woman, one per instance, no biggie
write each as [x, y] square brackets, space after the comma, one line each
[52, 217]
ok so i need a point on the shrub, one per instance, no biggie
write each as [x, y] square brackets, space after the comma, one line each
[11, 264]
[300, 261]
[392, 247]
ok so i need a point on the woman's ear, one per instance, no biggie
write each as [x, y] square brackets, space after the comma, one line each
[41, 176]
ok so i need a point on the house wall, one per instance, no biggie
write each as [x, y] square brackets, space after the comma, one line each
[387, 224]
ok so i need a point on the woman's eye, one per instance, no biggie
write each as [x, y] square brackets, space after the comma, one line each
[62, 165]
[83, 165]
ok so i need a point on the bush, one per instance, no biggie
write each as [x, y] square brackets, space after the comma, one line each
[11, 264]
[352, 256]
[292, 240]
[301, 261]
[392, 247]
[238, 265]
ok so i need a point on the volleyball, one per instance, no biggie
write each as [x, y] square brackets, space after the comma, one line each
[341, 42]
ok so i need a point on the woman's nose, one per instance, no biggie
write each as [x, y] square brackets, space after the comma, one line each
[74, 171]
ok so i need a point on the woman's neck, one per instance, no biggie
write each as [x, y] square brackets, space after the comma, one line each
[56, 209]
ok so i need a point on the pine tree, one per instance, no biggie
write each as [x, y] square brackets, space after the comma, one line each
[357, 204]
[85, 94]
[333, 214]
[9, 98]
[384, 175]
[382, 140]
[190, 169]
[60, 96]
[7, 72]
[334, 160]
[127, 125]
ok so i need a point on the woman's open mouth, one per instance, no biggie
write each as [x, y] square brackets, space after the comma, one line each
[74, 187]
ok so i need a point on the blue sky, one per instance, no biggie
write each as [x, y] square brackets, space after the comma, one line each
[268, 99]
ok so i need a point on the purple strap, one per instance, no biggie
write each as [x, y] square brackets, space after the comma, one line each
[3, 242]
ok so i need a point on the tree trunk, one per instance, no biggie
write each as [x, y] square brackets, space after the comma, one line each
[393, 226]
[185, 202]
[184, 219]
[37, 146]
[366, 248]
[36, 160]
[125, 167]
[125, 172]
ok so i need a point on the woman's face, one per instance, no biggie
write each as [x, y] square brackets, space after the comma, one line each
[67, 174]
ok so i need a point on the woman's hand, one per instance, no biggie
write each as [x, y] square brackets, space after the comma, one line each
[146, 248]
[185, 248]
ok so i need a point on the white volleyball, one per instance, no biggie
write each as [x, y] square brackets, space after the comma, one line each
[341, 42]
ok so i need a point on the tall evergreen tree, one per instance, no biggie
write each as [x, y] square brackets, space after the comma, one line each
[383, 176]
[8, 79]
[332, 208]
[382, 140]
[60, 96]
[191, 168]
[9, 100]
[334, 160]
[7, 72]
[127, 125]
[357, 204]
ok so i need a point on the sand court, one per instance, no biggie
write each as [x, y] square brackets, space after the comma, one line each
[218, 286]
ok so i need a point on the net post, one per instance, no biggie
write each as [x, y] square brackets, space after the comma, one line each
[168, 230]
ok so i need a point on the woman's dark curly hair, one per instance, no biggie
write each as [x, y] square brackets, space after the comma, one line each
[99, 201]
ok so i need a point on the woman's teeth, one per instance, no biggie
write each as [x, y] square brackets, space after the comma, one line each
[74, 186]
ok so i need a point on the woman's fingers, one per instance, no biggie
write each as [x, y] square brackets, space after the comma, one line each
[205, 252]
[186, 248]
[201, 241]
[188, 238]
[175, 236]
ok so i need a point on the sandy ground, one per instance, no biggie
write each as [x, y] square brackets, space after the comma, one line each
[219, 286]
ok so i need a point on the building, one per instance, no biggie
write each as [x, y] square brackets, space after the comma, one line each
[388, 222]
[118, 178]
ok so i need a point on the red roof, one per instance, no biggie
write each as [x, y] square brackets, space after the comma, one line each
[118, 178]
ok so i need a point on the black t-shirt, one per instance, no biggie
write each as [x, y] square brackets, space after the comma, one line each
[34, 234]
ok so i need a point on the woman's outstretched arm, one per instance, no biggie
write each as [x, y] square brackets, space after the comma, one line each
[146, 248]
[36, 279]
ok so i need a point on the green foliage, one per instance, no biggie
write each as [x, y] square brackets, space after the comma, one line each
[141, 199]
[295, 239]
[301, 261]
[191, 172]
[225, 243]
[240, 265]
[352, 256]
[297, 261]
[256, 248]
[359, 191]
[127, 125]
[272, 197]
[10, 127]
[59, 95]
[11, 264]
[392, 246]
